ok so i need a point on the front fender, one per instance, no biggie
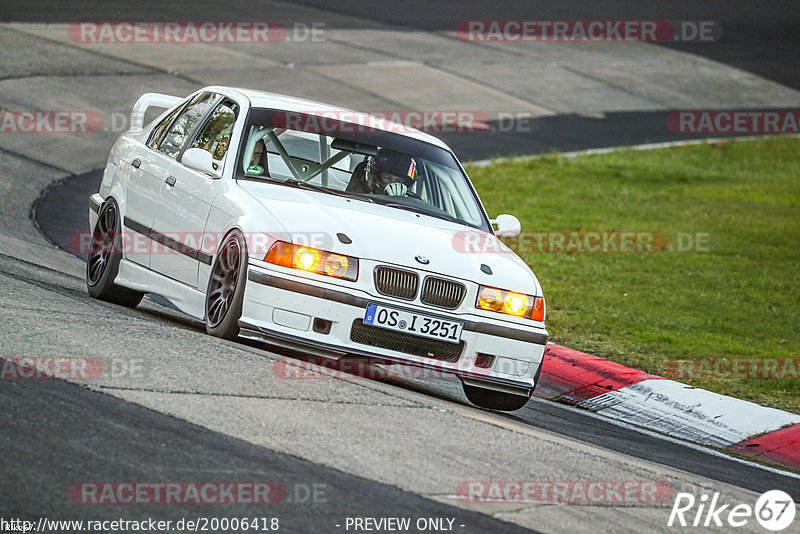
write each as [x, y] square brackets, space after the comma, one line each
[235, 209]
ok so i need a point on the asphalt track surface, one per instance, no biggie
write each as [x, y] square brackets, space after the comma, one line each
[48, 426]
[134, 443]
[59, 215]
[759, 36]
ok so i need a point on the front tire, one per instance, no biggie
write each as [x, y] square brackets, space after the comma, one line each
[225, 292]
[102, 262]
[495, 400]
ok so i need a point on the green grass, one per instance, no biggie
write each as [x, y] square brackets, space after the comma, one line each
[739, 299]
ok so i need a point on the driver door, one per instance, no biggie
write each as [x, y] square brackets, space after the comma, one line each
[186, 198]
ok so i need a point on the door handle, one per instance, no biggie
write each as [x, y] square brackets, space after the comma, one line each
[170, 181]
[136, 163]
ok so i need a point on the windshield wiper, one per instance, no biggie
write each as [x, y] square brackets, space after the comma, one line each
[311, 187]
[419, 210]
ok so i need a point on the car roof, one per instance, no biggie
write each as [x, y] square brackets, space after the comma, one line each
[264, 99]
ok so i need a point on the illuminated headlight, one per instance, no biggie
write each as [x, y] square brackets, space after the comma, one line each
[313, 260]
[510, 303]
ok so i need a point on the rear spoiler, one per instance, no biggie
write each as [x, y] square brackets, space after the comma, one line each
[145, 102]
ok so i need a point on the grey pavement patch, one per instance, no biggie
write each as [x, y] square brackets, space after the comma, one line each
[110, 96]
[22, 183]
[97, 439]
[694, 84]
[446, 91]
[556, 87]
[25, 55]
[295, 81]
[310, 52]
[168, 58]
[120, 334]
[394, 445]
[424, 47]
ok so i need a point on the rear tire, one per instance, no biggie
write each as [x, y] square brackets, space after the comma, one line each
[225, 292]
[495, 400]
[102, 262]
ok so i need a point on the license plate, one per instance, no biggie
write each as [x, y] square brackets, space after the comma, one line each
[413, 323]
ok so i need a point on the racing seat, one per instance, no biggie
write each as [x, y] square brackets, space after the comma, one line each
[358, 181]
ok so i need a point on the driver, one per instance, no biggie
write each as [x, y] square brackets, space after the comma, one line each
[259, 163]
[389, 173]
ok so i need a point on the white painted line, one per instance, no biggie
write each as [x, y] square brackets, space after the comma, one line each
[688, 413]
[608, 150]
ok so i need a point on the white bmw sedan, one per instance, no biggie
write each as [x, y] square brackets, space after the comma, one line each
[319, 229]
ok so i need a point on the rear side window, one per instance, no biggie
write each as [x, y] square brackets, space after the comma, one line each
[215, 135]
[180, 131]
[158, 133]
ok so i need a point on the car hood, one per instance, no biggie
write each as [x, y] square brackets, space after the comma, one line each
[392, 235]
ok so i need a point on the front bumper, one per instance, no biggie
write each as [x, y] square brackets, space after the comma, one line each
[281, 309]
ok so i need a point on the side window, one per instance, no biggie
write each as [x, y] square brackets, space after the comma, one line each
[182, 128]
[161, 129]
[215, 135]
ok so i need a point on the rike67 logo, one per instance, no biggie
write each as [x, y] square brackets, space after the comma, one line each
[774, 510]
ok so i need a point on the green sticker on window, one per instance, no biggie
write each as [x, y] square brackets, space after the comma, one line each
[255, 169]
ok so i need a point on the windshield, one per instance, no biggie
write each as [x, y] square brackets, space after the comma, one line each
[358, 161]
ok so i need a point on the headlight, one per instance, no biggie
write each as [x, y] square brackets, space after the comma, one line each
[313, 260]
[510, 303]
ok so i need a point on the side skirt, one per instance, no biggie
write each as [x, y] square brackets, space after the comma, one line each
[185, 298]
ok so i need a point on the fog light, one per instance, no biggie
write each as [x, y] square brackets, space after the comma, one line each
[322, 326]
[484, 361]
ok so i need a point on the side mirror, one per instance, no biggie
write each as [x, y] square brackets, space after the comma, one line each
[200, 160]
[507, 225]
